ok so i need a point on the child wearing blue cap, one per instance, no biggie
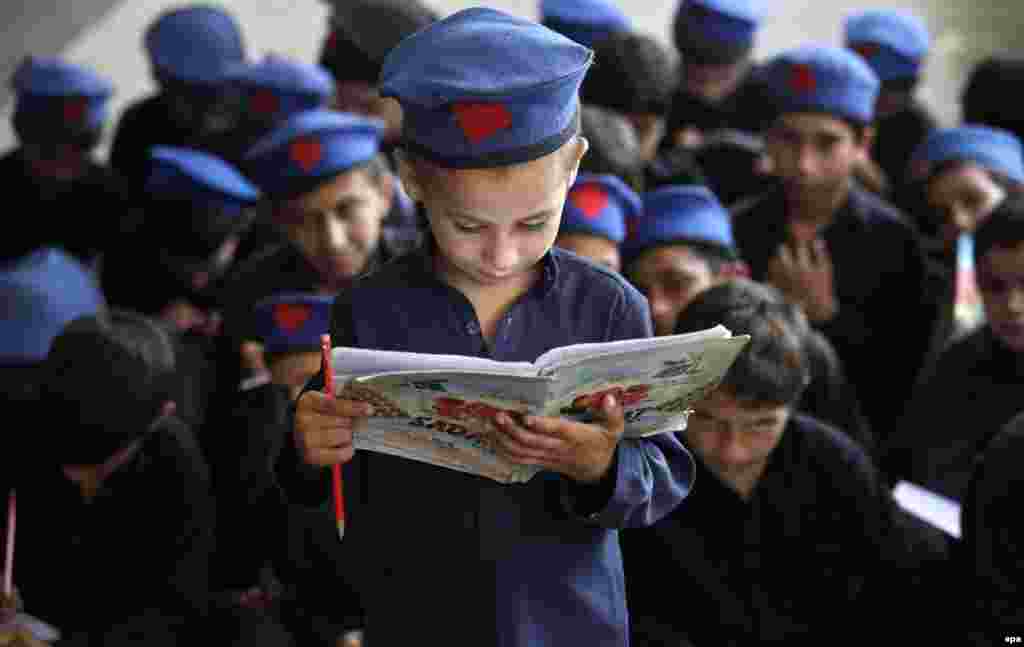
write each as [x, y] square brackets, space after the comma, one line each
[680, 246]
[595, 218]
[587, 22]
[193, 50]
[716, 39]
[895, 44]
[300, 547]
[491, 148]
[809, 237]
[792, 531]
[974, 388]
[60, 112]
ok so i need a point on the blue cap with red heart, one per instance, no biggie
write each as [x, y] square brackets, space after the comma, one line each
[292, 322]
[894, 42]
[74, 97]
[584, 21]
[310, 148]
[992, 148]
[482, 89]
[600, 205]
[195, 43]
[823, 79]
[680, 214]
[40, 293]
[278, 87]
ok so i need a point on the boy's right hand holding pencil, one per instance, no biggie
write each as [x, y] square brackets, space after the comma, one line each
[324, 426]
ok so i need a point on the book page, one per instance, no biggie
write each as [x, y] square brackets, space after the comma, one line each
[446, 418]
[361, 361]
[551, 360]
[940, 511]
[656, 386]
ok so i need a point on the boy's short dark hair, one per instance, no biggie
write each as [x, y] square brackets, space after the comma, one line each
[773, 368]
[104, 382]
[984, 100]
[614, 149]
[632, 74]
[1003, 228]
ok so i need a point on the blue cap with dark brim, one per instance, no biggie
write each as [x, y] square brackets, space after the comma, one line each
[599, 205]
[482, 89]
[680, 214]
[292, 322]
[991, 148]
[893, 42]
[584, 21]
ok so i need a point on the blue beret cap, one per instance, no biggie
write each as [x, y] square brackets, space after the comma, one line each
[584, 21]
[309, 148]
[196, 44]
[292, 321]
[717, 30]
[42, 292]
[481, 89]
[44, 85]
[893, 42]
[600, 205]
[680, 214]
[825, 79]
[178, 173]
[991, 148]
[278, 87]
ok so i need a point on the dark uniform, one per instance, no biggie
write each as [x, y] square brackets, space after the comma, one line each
[820, 541]
[991, 555]
[973, 391]
[872, 295]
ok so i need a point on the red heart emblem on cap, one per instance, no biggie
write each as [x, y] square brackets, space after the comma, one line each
[306, 152]
[75, 109]
[479, 121]
[291, 316]
[867, 50]
[264, 102]
[591, 199]
[802, 79]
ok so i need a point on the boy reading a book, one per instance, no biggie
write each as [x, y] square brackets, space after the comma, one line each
[491, 148]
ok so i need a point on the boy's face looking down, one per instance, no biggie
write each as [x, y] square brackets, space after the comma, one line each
[598, 249]
[815, 154]
[337, 226]
[670, 276]
[961, 197]
[492, 226]
[734, 438]
[1001, 282]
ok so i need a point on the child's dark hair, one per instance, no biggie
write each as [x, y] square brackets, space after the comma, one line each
[632, 74]
[1003, 228]
[985, 98]
[773, 368]
[105, 381]
[614, 148]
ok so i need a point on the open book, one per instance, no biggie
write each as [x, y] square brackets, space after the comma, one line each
[440, 408]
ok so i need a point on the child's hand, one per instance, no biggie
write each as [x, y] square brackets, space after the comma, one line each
[324, 426]
[803, 272]
[583, 452]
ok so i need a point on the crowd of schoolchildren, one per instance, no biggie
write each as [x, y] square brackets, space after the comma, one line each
[163, 314]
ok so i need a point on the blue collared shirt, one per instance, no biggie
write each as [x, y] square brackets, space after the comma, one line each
[466, 560]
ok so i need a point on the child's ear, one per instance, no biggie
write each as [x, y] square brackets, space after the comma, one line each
[407, 174]
[581, 148]
[865, 143]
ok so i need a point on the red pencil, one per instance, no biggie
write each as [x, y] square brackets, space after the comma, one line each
[12, 517]
[339, 496]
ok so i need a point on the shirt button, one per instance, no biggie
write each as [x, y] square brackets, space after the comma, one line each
[473, 328]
